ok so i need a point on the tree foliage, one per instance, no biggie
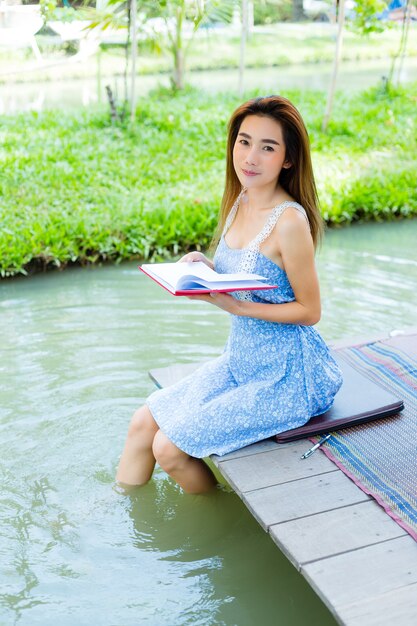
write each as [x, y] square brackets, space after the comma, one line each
[181, 19]
[366, 17]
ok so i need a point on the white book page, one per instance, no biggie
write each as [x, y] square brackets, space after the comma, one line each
[171, 273]
[186, 283]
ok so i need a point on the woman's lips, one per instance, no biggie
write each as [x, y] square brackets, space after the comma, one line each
[250, 173]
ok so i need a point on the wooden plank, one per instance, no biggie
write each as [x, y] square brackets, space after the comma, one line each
[356, 576]
[407, 344]
[165, 376]
[274, 467]
[398, 606]
[299, 498]
[256, 448]
[348, 342]
[334, 532]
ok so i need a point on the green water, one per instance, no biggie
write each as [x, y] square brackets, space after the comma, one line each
[75, 350]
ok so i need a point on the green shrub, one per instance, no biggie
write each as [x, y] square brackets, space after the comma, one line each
[75, 189]
[272, 11]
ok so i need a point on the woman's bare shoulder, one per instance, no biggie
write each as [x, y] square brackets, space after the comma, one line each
[292, 222]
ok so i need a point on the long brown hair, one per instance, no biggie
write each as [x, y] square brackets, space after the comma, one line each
[297, 180]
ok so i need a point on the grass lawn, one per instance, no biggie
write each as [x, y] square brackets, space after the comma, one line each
[74, 188]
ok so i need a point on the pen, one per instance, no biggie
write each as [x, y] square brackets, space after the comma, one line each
[314, 448]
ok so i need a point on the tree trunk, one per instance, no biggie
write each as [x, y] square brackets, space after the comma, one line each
[179, 68]
[134, 53]
[243, 38]
[251, 17]
[404, 38]
[178, 48]
[338, 52]
[113, 109]
[298, 11]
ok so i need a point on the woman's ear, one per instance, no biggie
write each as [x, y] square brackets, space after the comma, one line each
[286, 165]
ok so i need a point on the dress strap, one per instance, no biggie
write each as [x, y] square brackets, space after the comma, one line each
[251, 252]
[250, 255]
[272, 220]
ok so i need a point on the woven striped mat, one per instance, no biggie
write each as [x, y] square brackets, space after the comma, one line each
[381, 456]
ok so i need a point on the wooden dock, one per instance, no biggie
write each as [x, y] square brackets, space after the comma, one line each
[360, 562]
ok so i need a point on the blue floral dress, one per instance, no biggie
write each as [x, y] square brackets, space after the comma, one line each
[271, 377]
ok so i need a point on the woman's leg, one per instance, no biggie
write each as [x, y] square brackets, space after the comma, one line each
[191, 474]
[137, 461]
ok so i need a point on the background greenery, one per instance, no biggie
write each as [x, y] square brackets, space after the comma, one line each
[280, 44]
[75, 188]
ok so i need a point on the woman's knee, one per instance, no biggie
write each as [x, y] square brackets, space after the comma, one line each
[142, 424]
[166, 453]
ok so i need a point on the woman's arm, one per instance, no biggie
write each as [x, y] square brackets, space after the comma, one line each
[297, 253]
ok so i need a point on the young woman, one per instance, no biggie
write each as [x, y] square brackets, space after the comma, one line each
[276, 371]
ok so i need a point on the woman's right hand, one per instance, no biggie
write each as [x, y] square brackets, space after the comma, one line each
[192, 257]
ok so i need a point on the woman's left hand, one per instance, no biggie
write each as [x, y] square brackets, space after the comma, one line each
[222, 300]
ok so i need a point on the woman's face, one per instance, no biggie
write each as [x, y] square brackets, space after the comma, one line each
[259, 152]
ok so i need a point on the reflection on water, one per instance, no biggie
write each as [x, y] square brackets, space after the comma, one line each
[84, 92]
[75, 350]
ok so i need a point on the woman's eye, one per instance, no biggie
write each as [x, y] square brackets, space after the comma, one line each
[243, 142]
[268, 148]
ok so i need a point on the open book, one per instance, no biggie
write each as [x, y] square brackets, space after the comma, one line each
[184, 279]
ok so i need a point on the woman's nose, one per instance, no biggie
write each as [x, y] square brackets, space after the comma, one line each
[251, 156]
